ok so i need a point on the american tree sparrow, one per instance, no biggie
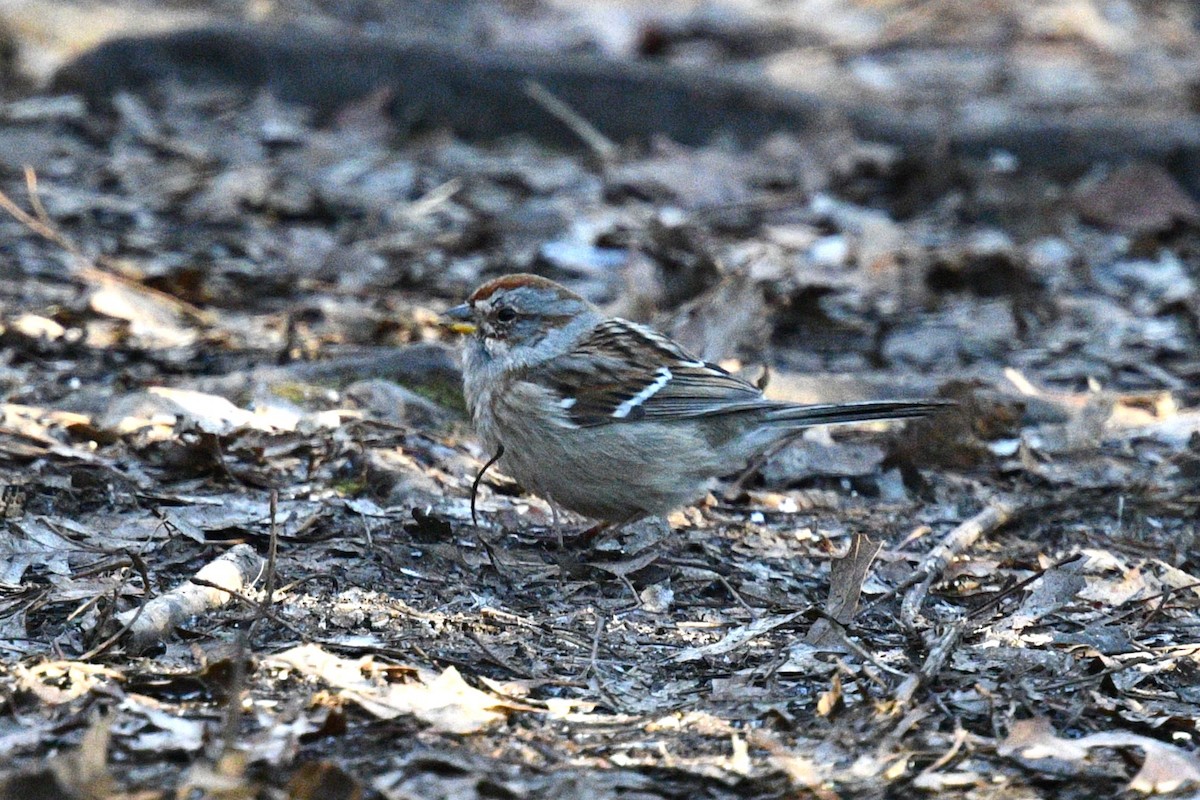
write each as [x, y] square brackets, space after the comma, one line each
[609, 418]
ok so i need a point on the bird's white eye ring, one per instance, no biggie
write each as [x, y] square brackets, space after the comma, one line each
[506, 314]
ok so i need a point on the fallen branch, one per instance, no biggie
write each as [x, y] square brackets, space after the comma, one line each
[478, 94]
[956, 541]
[236, 570]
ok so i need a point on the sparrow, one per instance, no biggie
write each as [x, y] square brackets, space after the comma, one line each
[610, 418]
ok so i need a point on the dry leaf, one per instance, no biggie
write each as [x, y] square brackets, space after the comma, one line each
[846, 578]
[153, 318]
[58, 682]
[446, 702]
[736, 637]
[1165, 769]
[830, 700]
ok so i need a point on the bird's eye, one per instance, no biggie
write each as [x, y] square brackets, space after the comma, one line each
[506, 315]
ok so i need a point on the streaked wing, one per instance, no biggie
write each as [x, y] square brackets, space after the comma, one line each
[623, 371]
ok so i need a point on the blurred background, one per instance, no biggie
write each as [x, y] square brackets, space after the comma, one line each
[1132, 56]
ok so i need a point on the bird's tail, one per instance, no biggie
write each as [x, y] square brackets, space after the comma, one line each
[835, 413]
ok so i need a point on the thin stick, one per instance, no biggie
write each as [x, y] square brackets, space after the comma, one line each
[233, 701]
[478, 479]
[35, 198]
[588, 133]
[840, 629]
[37, 226]
[272, 547]
[496, 658]
[251, 603]
[957, 540]
[1019, 585]
[942, 647]
[264, 607]
[41, 223]
[592, 668]
[111, 640]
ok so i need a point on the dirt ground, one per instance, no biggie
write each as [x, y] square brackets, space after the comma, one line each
[220, 367]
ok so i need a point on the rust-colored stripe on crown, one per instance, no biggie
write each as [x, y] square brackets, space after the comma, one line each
[516, 282]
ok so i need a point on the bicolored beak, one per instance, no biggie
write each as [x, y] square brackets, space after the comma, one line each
[459, 319]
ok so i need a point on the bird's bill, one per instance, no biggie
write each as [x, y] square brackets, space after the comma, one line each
[458, 319]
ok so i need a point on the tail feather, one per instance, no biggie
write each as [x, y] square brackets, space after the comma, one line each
[835, 413]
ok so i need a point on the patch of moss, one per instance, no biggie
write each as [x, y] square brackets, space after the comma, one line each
[297, 393]
[447, 394]
[350, 487]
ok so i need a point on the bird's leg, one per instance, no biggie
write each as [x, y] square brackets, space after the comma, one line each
[478, 478]
[555, 522]
[738, 485]
[589, 535]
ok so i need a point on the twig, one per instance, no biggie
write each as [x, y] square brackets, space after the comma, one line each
[272, 547]
[35, 198]
[727, 586]
[960, 737]
[953, 543]
[588, 133]
[264, 607]
[496, 658]
[912, 580]
[600, 621]
[111, 640]
[233, 700]
[37, 226]
[1138, 602]
[251, 603]
[435, 197]
[41, 224]
[1019, 585]
[237, 568]
[840, 629]
[1172, 652]
[934, 662]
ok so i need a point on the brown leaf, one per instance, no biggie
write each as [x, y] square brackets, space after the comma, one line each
[323, 781]
[846, 578]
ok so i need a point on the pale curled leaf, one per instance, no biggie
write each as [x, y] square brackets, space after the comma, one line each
[148, 726]
[153, 319]
[58, 682]
[444, 701]
[736, 637]
[1165, 768]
